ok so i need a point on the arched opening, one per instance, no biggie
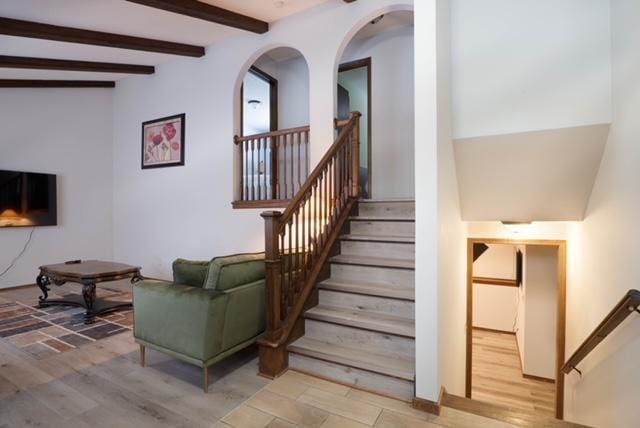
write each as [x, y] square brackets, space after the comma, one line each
[375, 76]
[272, 142]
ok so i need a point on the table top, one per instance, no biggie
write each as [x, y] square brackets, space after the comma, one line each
[90, 269]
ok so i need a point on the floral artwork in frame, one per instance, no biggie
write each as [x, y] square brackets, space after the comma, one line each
[163, 142]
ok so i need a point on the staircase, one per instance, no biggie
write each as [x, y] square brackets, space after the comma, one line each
[362, 331]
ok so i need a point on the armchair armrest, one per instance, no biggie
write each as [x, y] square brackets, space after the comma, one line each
[181, 318]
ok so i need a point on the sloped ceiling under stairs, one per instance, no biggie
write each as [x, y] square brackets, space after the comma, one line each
[532, 176]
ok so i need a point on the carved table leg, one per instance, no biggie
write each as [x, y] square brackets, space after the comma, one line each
[43, 282]
[89, 295]
[136, 277]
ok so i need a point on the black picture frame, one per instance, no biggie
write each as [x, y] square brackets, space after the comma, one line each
[146, 163]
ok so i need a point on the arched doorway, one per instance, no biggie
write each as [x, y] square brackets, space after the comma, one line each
[375, 77]
[272, 142]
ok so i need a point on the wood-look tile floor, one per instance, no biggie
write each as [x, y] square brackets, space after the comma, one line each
[102, 385]
[497, 376]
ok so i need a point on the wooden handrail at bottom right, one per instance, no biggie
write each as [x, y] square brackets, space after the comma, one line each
[629, 304]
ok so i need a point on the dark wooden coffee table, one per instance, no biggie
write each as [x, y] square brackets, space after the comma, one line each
[87, 273]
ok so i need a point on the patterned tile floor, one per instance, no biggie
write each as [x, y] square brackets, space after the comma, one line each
[42, 332]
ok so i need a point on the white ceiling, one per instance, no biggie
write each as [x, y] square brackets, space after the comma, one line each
[533, 176]
[122, 17]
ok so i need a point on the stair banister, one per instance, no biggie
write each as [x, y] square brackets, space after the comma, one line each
[299, 240]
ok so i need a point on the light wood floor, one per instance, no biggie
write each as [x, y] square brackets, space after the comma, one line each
[497, 376]
[102, 385]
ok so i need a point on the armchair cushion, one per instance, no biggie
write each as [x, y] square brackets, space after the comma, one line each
[232, 271]
[188, 272]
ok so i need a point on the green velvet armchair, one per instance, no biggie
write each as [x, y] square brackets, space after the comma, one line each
[210, 310]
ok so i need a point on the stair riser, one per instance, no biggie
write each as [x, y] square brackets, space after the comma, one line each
[378, 249]
[398, 277]
[387, 209]
[349, 336]
[374, 382]
[400, 308]
[382, 228]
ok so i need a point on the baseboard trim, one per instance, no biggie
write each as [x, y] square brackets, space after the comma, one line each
[17, 287]
[492, 330]
[540, 378]
[428, 405]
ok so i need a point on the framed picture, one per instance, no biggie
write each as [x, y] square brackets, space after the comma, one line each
[163, 142]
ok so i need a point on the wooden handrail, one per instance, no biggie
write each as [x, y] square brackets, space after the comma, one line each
[238, 139]
[495, 281]
[299, 241]
[273, 166]
[629, 303]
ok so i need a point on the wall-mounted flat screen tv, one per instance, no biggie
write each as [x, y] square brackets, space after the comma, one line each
[27, 199]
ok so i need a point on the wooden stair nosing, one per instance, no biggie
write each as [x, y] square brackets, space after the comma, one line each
[382, 218]
[369, 289]
[513, 416]
[386, 200]
[391, 239]
[365, 320]
[362, 360]
[380, 262]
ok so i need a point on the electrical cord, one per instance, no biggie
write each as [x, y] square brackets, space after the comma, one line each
[24, 249]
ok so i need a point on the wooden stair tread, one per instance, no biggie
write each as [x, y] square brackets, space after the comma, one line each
[366, 320]
[376, 218]
[512, 416]
[401, 239]
[385, 200]
[396, 366]
[373, 261]
[368, 289]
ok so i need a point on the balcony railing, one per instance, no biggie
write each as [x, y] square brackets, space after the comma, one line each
[273, 167]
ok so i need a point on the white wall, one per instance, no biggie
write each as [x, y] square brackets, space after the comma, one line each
[529, 65]
[67, 132]
[392, 115]
[163, 214]
[495, 307]
[440, 246]
[292, 74]
[498, 261]
[293, 93]
[541, 309]
[430, 370]
[607, 394]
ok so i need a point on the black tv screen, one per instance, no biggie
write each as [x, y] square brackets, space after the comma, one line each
[27, 199]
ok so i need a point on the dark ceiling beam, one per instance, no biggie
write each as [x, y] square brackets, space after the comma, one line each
[69, 65]
[36, 30]
[23, 83]
[207, 12]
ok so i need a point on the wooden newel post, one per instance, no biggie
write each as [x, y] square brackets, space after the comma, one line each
[355, 155]
[273, 355]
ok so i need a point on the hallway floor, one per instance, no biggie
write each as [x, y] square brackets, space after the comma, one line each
[497, 376]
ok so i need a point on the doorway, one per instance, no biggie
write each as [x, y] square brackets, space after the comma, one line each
[504, 362]
[354, 94]
[259, 102]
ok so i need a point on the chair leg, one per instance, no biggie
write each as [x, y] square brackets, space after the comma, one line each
[206, 380]
[143, 356]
